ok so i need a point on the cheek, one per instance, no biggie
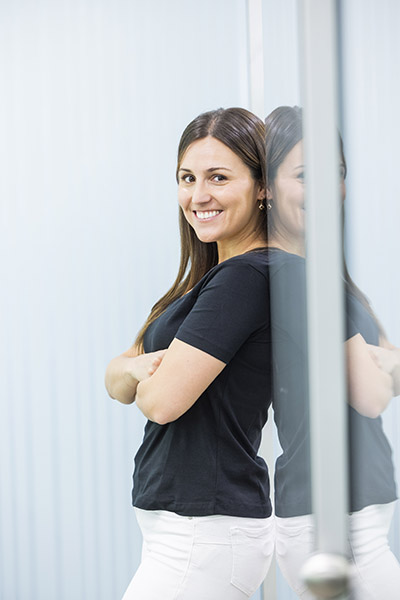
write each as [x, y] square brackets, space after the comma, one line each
[300, 191]
[183, 199]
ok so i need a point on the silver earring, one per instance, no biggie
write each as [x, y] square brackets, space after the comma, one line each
[261, 206]
[269, 205]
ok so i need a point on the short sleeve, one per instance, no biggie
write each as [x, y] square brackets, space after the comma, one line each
[289, 305]
[232, 306]
[359, 320]
[351, 328]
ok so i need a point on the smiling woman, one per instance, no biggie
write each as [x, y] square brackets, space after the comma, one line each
[200, 372]
[218, 195]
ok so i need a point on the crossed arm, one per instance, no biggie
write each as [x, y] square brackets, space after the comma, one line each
[387, 358]
[164, 384]
[373, 375]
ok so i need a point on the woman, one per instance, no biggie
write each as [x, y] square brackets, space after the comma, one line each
[373, 379]
[200, 372]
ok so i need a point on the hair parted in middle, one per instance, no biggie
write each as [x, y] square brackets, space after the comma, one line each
[243, 133]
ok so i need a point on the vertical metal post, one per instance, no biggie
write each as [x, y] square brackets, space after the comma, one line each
[256, 105]
[318, 34]
[256, 57]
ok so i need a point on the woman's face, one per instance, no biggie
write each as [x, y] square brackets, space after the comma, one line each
[287, 198]
[219, 197]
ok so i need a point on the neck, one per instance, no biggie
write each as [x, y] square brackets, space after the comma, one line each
[225, 252]
[293, 246]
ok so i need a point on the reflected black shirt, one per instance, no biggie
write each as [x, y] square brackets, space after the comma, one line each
[370, 457]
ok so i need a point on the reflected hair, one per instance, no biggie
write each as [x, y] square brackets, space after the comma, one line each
[243, 133]
[283, 130]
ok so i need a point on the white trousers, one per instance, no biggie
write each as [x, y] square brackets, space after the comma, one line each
[201, 558]
[375, 572]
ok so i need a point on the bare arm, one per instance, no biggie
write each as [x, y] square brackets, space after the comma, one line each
[183, 375]
[370, 387]
[124, 373]
[387, 358]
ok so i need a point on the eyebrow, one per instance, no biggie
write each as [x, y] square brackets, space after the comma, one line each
[210, 170]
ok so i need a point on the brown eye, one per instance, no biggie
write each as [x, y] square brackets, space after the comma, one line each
[188, 178]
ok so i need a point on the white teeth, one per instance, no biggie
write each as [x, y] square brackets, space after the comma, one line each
[207, 214]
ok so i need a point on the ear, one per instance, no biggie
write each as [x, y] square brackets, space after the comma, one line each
[261, 194]
[269, 194]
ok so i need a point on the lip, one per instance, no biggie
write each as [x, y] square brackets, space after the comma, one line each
[211, 215]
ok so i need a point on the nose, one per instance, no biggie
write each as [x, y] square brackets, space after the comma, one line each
[200, 193]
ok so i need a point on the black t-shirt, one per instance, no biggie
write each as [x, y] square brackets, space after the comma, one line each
[370, 462]
[206, 461]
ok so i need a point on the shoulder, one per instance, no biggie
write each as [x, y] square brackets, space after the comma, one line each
[281, 262]
[244, 267]
[287, 276]
[241, 281]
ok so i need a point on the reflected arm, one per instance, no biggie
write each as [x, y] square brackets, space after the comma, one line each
[387, 356]
[370, 387]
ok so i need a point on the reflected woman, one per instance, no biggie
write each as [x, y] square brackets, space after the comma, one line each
[200, 372]
[373, 368]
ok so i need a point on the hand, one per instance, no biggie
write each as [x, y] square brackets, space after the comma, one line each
[385, 359]
[156, 361]
[144, 365]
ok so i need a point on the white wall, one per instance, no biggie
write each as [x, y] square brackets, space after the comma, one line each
[94, 96]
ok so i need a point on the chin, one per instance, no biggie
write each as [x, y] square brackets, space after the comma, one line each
[206, 239]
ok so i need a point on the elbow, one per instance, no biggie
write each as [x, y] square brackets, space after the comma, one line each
[108, 387]
[161, 418]
[124, 400]
[154, 407]
[372, 407]
[116, 394]
[155, 413]
[373, 412]
[371, 396]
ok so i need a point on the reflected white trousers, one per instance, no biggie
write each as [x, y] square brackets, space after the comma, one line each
[201, 558]
[375, 573]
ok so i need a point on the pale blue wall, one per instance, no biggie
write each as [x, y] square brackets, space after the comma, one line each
[94, 96]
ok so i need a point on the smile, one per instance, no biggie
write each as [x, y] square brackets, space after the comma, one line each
[207, 214]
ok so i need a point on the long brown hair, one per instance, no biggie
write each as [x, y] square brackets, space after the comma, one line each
[244, 134]
[283, 130]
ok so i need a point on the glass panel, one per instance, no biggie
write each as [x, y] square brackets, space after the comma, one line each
[291, 452]
[370, 48]
[370, 94]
